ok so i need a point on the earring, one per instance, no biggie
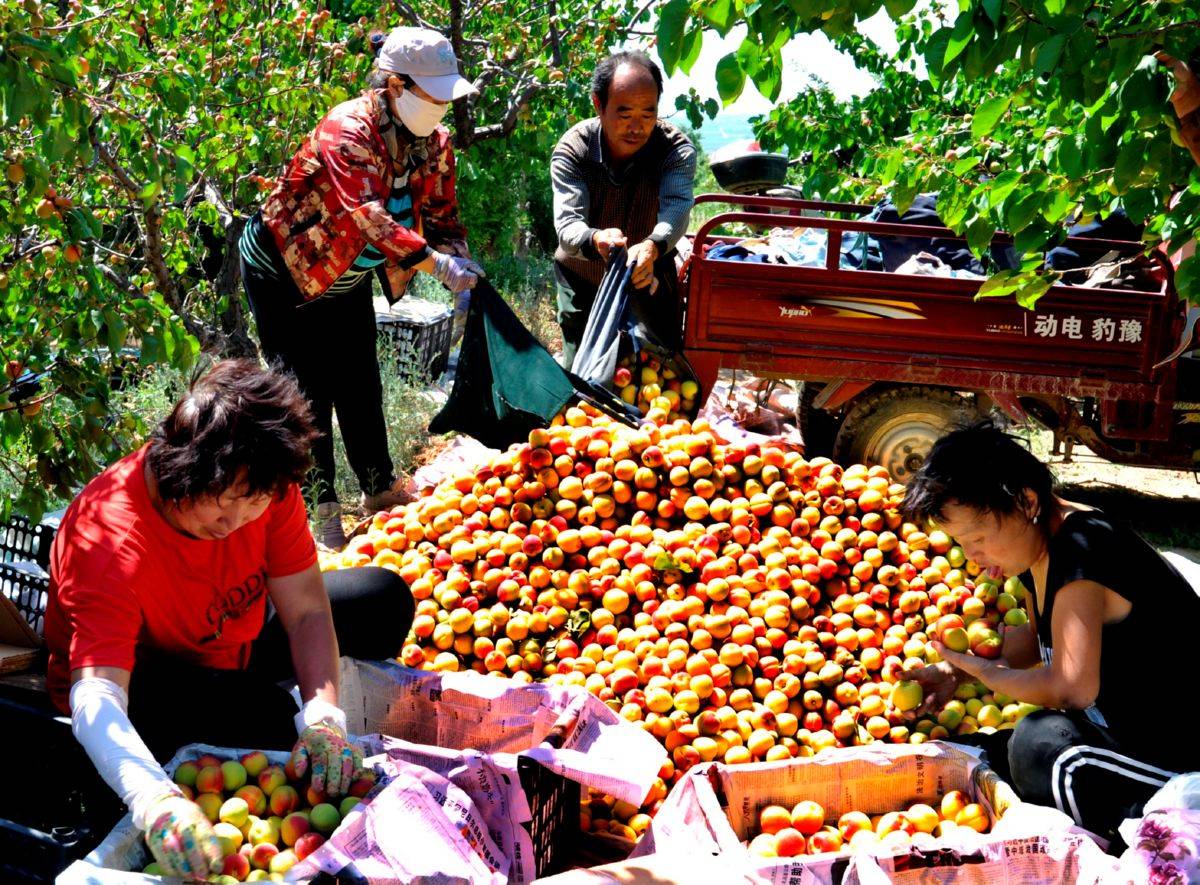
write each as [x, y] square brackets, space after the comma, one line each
[1035, 520]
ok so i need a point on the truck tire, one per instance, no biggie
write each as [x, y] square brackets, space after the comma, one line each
[818, 428]
[897, 428]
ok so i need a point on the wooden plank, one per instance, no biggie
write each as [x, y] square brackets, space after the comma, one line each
[15, 659]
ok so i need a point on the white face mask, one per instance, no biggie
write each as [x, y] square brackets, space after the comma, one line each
[418, 115]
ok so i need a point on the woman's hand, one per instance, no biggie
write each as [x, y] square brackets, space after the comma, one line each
[181, 839]
[939, 682]
[457, 274]
[334, 758]
[971, 665]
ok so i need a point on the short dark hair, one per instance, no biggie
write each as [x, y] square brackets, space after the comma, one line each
[602, 77]
[378, 79]
[978, 466]
[237, 423]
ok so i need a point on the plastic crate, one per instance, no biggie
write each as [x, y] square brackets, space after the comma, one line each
[27, 586]
[49, 817]
[421, 331]
[554, 807]
[22, 541]
[29, 855]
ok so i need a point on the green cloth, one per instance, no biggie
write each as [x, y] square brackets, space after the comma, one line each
[506, 383]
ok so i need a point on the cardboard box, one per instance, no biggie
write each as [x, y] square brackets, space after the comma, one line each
[659, 869]
[19, 642]
[714, 811]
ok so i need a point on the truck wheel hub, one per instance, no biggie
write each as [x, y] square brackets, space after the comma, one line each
[902, 448]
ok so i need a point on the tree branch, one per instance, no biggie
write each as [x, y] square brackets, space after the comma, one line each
[509, 121]
[642, 10]
[1153, 32]
[121, 282]
[78, 23]
[411, 15]
[464, 124]
[555, 48]
[149, 223]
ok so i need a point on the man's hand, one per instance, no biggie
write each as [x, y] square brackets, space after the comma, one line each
[641, 258]
[335, 760]
[606, 240]
[181, 838]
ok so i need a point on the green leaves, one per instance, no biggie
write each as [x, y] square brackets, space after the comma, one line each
[1000, 285]
[721, 14]
[897, 8]
[730, 78]
[672, 19]
[690, 54]
[960, 37]
[989, 114]
[1187, 279]
[665, 562]
[1045, 56]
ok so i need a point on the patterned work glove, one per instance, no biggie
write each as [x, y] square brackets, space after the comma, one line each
[335, 760]
[181, 838]
[458, 274]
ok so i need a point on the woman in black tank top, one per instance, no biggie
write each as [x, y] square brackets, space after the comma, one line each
[1110, 623]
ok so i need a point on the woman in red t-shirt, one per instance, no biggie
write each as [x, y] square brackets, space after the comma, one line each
[185, 588]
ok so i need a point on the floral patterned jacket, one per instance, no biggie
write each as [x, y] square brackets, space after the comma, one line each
[331, 201]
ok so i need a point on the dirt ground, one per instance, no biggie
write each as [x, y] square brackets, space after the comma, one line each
[1164, 505]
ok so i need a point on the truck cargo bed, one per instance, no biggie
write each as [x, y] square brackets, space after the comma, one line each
[830, 322]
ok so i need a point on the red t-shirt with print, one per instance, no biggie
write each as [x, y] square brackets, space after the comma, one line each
[121, 578]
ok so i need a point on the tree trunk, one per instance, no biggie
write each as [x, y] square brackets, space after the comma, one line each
[235, 332]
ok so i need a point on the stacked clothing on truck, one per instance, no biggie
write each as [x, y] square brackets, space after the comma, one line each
[1079, 264]
[1084, 265]
[949, 257]
[807, 247]
[801, 246]
[898, 251]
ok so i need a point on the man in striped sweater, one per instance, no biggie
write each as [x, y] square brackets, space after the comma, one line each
[370, 192]
[621, 178]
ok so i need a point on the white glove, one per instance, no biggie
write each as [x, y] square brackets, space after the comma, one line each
[458, 274]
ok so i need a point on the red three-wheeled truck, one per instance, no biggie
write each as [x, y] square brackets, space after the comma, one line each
[889, 361]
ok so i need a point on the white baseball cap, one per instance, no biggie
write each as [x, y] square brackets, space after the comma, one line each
[428, 58]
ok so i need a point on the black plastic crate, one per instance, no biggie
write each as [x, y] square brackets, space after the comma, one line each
[29, 855]
[421, 331]
[54, 813]
[554, 807]
[22, 541]
[27, 586]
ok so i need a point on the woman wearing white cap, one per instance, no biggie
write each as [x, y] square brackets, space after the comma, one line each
[371, 191]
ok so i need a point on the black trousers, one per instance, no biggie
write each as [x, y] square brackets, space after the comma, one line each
[174, 702]
[1066, 761]
[328, 344]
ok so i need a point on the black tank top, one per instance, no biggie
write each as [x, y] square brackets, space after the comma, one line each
[1148, 661]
